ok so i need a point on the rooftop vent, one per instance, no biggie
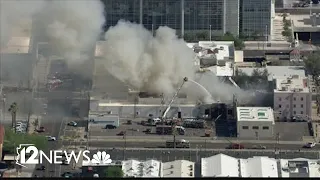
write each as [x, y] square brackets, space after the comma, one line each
[221, 48]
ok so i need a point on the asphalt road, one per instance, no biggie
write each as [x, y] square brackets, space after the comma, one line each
[171, 155]
[203, 144]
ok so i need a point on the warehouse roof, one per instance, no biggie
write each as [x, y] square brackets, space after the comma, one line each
[219, 166]
[258, 167]
[178, 168]
[134, 168]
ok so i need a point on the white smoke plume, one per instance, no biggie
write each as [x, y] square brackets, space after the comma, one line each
[73, 26]
[149, 63]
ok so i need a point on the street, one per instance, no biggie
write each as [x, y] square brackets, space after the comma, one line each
[203, 144]
[165, 155]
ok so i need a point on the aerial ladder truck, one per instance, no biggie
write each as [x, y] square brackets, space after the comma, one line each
[162, 129]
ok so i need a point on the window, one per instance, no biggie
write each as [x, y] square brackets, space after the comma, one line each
[265, 127]
[294, 112]
[301, 105]
[301, 112]
[245, 127]
[301, 99]
[279, 105]
[255, 127]
[294, 99]
[294, 105]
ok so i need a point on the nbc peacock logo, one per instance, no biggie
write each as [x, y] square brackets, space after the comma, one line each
[101, 158]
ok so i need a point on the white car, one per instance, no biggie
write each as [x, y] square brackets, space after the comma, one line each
[310, 145]
[51, 138]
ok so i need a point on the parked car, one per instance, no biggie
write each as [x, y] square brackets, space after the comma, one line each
[122, 133]
[109, 126]
[41, 129]
[67, 175]
[259, 147]
[235, 146]
[42, 168]
[51, 138]
[309, 145]
[72, 123]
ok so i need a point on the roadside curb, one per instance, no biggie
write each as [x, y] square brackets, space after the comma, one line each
[128, 139]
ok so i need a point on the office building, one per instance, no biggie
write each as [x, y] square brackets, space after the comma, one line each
[256, 18]
[188, 16]
[255, 122]
[292, 98]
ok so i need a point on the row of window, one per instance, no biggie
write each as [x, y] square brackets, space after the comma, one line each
[293, 106]
[293, 99]
[294, 112]
[256, 127]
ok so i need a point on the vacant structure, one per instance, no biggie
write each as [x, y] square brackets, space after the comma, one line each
[219, 166]
[255, 122]
[292, 98]
[258, 167]
[134, 168]
[178, 168]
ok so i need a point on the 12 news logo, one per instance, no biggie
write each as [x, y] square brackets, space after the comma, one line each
[36, 156]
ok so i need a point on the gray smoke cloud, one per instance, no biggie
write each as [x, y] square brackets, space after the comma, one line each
[149, 63]
[13, 14]
[72, 26]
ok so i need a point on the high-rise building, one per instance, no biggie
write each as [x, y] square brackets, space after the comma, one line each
[256, 18]
[193, 16]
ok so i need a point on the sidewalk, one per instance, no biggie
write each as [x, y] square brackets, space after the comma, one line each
[191, 139]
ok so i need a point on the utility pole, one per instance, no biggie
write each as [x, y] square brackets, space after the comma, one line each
[125, 145]
[174, 132]
[13, 109]
[135, 106]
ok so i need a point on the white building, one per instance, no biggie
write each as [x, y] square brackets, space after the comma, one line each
[292, 98]
[134, 168]
[258, 167]
[300, 168]
[255, 122]
[218, 56]
[219, 166]
[178, 168]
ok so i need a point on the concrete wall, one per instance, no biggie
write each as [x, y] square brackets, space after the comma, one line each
[255, 133]
[144, 111]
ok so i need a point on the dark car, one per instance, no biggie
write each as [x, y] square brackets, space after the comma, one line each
[42, 168]
[67, 175]
[41, 129]
[235, 146]
[109, 126]
[122, 133]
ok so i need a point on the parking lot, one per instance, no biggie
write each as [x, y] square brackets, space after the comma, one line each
[136, 129]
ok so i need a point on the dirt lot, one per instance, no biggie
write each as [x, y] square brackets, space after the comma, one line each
[135, 129]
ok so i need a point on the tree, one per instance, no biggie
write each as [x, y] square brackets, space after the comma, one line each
[312, 65]
[238, 43]
[12, 141]
[114, 171]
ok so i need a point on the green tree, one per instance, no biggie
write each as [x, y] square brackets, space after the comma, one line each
[238, 43]
[312, 65]
[114, 171]
[12, 141]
